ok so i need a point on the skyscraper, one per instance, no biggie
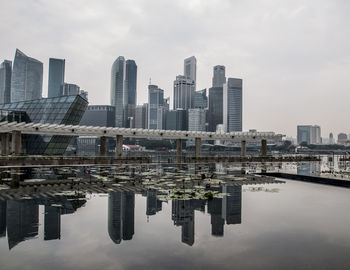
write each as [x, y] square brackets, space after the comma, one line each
[219, 76]
[5, 81]
[232, 105]
[184, 89]
[141, 116]
[196, 119]
[27, 78]
[309, 134]
[117, 89]
[68, 89]
[190, 69]
[56, 77]
[130, 93]
[156, 108]
[123, 91]
[200, 99]
[215, 113]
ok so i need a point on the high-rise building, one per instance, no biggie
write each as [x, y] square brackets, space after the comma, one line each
[215, 113]
[176, 120]
[190, 69]
[141, 116]
[130, 93]
[5, 81]
[196, 119]
[156, 108]
[27, 78]
[219, 76]
[56, 77]
[232, 105]
[117, 89]
[309, 134]
[342, 138]
[200, 99]
[99, 115]
[69, 89]
[331, 138]
[184, 89]
[2, 218]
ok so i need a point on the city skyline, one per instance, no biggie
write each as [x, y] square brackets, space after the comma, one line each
[271, 50]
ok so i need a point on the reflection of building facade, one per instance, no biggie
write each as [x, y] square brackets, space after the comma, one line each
[121, 212]
[2, 218]
[22, 221]
[52, 223]
[309, 168]
[153, 204]
[183, 215]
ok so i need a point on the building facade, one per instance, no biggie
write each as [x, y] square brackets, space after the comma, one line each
[141, 116]
[232, 105]
[117, 89]
[130, 93]
[68, 89]
[215, 112]
[190, 69]
[27, 78]
[200, 99]
[309, 134]
[99, 115]
[184, 89]
[5, 81]
[156, 107]
[219, 76]
[56, 77]
[197, 119]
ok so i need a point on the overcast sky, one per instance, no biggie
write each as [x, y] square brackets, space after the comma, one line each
[293, 56]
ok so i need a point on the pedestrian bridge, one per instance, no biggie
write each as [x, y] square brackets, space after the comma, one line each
[16, 129]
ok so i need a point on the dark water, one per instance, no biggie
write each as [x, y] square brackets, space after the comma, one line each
[274, 226]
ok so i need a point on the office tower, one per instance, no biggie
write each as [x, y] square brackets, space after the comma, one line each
[342, 138]
[232, 105]
[176, 120]
[2, 218]
[27, 78]
[56, 77]
[117, 89]
[184, 89]
[215, 114]
[200, 99]
[196, 119]
[190, 69]
[130, 93]
[141, 116]
[5, 81]
[52, 223]
[331, 138]
[22, 220]
[309, 134]
[99, 115]
[156, 109]
[121, 216]
[219, 76]
[69, 89]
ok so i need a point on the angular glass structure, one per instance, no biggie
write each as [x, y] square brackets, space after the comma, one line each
[5, 81]
[27, 78]
[67, 110]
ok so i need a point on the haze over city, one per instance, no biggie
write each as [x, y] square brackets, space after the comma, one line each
[293, 56]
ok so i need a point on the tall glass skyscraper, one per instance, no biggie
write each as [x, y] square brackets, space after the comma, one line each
[184, 89]
[27, 78]
[190, 69]
[219, 76]
[156, 107]
[5, 81]
[123, 91]
[56, 77]
[117, 89]
[215, 108]
[232, 105]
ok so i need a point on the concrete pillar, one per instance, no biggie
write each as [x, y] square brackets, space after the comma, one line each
[263, 147]
[243, 148]
[178, 151]
[16, 142]
[103, 147]
[119, 146]
[4, 144]
[198, 147]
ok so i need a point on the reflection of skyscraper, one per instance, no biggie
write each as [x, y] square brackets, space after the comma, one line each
[22, 221]
[309, 168]
[27, 78]
[153, 204]
[121, 212]
[52, 221]
[2, 218]
[232, 204]
[215, 211]
[183, 215]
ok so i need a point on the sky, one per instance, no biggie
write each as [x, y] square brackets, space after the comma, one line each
[293, 55]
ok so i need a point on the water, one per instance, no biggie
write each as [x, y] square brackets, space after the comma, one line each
[276, 225]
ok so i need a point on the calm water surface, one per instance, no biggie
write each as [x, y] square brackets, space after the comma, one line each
[274, 226]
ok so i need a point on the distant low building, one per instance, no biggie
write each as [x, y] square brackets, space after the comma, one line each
[342, 138]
